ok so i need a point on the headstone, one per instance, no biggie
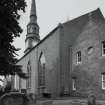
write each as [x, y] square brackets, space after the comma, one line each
[32, 99]
[13, 98]
[91, 99]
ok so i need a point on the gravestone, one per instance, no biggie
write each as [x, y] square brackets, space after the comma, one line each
[91, 100]
[14, 98]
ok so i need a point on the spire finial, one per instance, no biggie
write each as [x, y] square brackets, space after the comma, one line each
[33, 8]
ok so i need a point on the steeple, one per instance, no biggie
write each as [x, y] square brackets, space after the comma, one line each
[33, 8]
[32, 37]
[33, 17]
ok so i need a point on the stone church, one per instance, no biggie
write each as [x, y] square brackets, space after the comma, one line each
[69, 61]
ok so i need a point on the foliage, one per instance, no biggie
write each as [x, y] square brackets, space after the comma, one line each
[9, 30]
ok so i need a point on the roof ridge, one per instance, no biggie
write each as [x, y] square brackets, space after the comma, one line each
[86, 14]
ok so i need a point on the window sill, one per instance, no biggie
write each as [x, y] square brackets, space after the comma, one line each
[78, 63]
[103, 55]
[28, 88]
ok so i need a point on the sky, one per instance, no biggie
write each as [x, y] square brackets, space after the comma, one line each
[52, 12]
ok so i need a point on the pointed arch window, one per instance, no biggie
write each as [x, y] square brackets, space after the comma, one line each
[28, 82]
[73, 84]
[42, 67]
[19, 83]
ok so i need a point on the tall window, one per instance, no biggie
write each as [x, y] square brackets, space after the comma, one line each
[42, 67]
[103, 48]
[19, 83]
[15, 81]
[28, 82]
[103, 81]
[74, 84]
[78, 57]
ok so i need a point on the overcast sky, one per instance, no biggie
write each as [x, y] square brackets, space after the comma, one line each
[52, 12]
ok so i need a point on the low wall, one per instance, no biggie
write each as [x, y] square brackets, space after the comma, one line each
[68, 102]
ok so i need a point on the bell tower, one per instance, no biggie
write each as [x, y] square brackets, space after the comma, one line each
[32, 37]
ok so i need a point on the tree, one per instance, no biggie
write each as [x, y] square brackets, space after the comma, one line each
[9, 30]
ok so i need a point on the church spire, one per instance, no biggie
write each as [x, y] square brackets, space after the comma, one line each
[33, 16]
[32, 37]
[33, 8]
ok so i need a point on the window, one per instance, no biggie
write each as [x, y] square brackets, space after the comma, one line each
[28, 82]
[103, 48]
[74, 84]
[78, 57]
[19, 83]
[15, 81]
[42, 68]
[103, 81]
[90, 50]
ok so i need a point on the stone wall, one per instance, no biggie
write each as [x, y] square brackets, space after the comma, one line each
[88, 72]
[87, 31]
[68, 102]
[50, 48]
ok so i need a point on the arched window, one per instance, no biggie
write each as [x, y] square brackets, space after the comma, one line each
[20, 83]
[28, 82]
[42, 67]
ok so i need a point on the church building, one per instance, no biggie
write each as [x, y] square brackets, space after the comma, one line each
[69, 61]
